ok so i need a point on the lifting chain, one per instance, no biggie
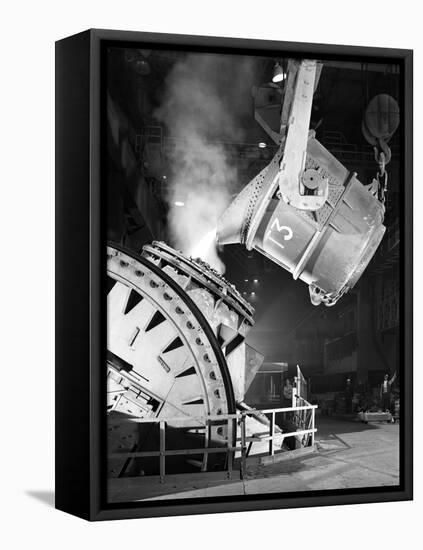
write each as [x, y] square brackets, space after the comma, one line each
[380, 122]
[382, 157]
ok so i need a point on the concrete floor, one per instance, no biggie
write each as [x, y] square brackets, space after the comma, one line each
[349, 455]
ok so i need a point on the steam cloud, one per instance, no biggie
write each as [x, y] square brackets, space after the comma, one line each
[198, 110]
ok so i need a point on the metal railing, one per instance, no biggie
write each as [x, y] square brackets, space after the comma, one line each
[233, 423]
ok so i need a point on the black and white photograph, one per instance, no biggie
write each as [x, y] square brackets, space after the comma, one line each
[211, 238]
[254, 294]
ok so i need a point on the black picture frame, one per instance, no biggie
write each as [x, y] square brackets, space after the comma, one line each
[80, 269]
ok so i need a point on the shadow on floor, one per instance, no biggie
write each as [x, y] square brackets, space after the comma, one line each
[46, 497]
[136, 488]
[339, 425]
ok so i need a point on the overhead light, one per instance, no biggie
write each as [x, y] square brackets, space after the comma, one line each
[165, 177]
[278, 73]
[142, 67]
[262, 145]
[256, 280]
[179, 203]
[253, 293]
[245, 280]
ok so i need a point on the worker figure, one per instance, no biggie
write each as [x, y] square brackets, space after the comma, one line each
[348, 396]
[287, 393]
[385, 392]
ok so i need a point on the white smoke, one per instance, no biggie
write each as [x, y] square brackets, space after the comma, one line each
[198, 112]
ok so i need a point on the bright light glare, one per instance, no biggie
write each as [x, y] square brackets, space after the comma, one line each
[204, 246]
[179, 203]
[278, 74]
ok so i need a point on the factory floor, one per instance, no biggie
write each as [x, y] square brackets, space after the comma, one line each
[349, 454]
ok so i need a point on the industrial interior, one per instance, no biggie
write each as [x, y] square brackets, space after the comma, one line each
[253, 273]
